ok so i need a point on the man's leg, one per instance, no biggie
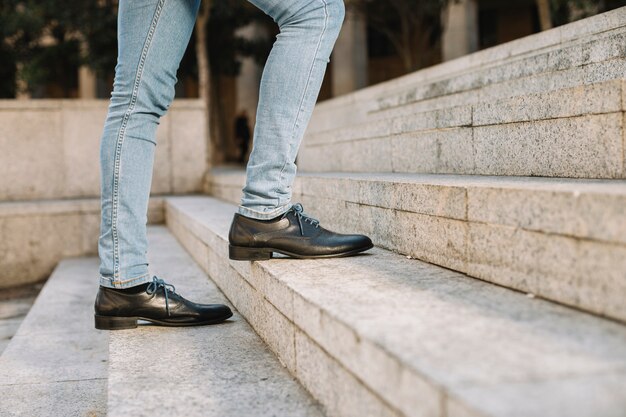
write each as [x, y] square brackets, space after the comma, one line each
[152, 38]
[291, 81]
[289, 88]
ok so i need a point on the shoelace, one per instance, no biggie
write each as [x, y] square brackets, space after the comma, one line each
[298, 211]
[154, 286]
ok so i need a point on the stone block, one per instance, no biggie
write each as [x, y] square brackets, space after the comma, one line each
[82, 130]
[438, 119]
[578, 147]
[37, 235]
[586, 210]
[65, 398]
[365, 155]
[575, 396]
[32, 146]
[435, 151]
[61, 160]
[162, 172]
[418, 197]
[366, 130]
[587, 99]
[189, 148]
[585, 274]
[341, 393]
[434, 239]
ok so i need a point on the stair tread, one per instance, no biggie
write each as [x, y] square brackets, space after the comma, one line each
[56, 364]
[219, 370]
[465, 338]
[583, 208]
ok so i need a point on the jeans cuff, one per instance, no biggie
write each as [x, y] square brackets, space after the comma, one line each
[110, 282]
[264, 215]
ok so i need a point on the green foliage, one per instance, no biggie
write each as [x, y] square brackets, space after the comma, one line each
[44, 37]
[24, 23]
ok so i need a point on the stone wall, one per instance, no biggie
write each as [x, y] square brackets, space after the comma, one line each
[49, 149]
[50, 178]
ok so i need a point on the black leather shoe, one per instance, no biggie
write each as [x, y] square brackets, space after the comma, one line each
[156, 302]
[293, 234]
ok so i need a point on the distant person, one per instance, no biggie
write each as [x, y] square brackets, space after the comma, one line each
[152, 37]
[242, 134]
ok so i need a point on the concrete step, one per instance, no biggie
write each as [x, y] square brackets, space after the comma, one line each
[223, 370]
[36, 235]
[584, 52]
[59, 365]
[383, 335]
[15, 304]
[572, 132]
[560, 239]
[56, 364]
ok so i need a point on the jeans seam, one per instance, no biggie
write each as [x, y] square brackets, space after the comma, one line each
[122, 134]
[304, 94]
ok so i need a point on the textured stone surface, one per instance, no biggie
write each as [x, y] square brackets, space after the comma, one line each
[189, 154]
[590, 58]
[588, 99]
[30, 155]
[57, 362]
[12, 312]
[434, 151]
[381, 317]
[36, 235]
[64, 398]
[578, 147]
[62, 160]
[588, 209]
[550, 77]
[578, 133]
[220, 370]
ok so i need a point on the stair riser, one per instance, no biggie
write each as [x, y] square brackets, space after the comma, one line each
[37, 235]
[600, 98]
[590, 210]
[576, 147]
[594, 61]
[574, 241]
[273, 311]
[577, 56]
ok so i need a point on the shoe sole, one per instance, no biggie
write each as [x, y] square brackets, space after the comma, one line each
[241, 253]
[123, 323]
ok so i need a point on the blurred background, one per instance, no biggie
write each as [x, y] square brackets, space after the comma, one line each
[55, 49]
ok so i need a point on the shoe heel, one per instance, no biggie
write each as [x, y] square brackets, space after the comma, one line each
[240, 253]
[115, 323]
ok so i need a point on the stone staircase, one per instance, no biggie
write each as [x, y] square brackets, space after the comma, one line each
[507, 165]
[504, 167]
[59, 365]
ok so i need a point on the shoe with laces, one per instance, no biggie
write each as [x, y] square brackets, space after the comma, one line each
[156, 302]
[293, 234]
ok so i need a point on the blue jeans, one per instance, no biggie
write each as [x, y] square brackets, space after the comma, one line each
[152, 38]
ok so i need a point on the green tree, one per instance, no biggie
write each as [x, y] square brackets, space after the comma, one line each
[44, 41]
